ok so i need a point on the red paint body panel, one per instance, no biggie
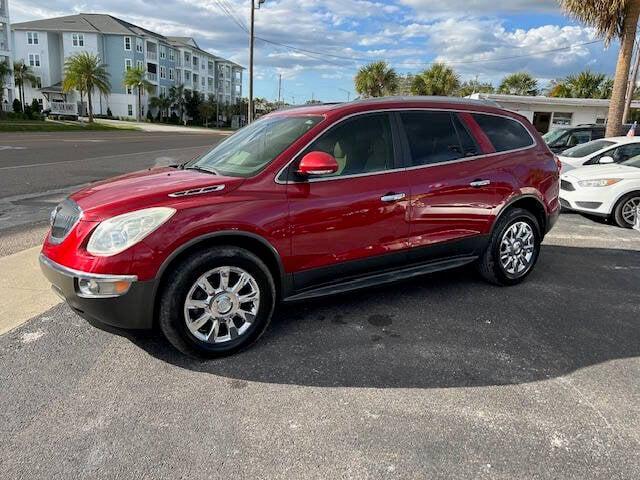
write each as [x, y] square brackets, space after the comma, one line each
[312, 225]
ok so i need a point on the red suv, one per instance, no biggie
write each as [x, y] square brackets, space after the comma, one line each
[302, 203]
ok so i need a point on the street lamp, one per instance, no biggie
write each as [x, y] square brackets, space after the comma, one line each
[251, 43]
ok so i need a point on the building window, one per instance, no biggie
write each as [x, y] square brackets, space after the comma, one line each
[127, 43]
[130, 110]
[38, 83]
[129, 90]
[172, 55]
[187, 76]
[171, 74]
[34, 60]
[163, 52]
[32, 38]
[127, 64]
[601, 121]
[187, 57]
[139, 64]
[163, 91]
[77, 39]
[163, 72]
[139, 48]
[562, 118]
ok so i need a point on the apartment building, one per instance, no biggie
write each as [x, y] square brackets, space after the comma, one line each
[7, 85]
[45, 45]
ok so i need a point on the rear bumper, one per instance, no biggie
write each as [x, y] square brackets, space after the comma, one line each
[132, 310]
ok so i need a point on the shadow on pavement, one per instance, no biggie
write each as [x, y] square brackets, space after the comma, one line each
[580, 307]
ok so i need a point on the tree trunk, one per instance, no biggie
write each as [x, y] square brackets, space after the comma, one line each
[616, 107]
[90, 104]
[139, 116]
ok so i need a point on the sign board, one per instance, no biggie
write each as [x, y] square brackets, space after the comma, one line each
[64, 108]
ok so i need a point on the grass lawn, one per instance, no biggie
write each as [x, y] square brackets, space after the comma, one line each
[36, 126]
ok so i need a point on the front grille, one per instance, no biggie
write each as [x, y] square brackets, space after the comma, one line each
[63, 219]
[568, 186]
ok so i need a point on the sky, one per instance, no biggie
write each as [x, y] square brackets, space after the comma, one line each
[331, 39]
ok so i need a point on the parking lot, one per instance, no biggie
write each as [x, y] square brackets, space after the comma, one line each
[438, 377]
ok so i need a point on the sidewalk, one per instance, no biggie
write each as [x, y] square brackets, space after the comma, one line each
[24, 292]
[163, 127]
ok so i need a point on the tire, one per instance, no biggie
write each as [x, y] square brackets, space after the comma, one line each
[620, 212]
[249, 319]
[491, 267]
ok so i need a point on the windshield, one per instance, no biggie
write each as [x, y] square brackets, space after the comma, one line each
[255, 146]
[554, 135]
[632, 162]
[587, 149]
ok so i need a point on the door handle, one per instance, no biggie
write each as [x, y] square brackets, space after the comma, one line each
[393, 197]
[480, 183]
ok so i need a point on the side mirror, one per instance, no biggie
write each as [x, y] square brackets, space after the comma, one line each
[605, 160]
[317, 163]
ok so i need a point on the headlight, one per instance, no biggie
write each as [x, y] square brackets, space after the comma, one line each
[119, 233]
[601, 182]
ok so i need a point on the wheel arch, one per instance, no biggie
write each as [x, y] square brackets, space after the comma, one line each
[528, 202]
[255, 244]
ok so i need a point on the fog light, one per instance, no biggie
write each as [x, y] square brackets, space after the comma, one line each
[91, 287]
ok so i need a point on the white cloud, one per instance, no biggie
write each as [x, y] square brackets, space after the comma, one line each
[482, 7]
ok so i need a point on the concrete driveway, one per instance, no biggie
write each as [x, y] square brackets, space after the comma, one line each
[440, 377]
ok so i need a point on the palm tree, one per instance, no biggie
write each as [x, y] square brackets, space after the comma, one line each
[521, 83]
[559, 89]
[585, 84]
[22, 74]
[474, 86]
[613, 19]
[376, 80]
[437, 80]
[137, 78]
[5, 71]
[176, 95]
[85, 72]
[162, 103]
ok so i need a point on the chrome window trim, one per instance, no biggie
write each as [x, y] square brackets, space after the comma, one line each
[416, 167]
[70, 272]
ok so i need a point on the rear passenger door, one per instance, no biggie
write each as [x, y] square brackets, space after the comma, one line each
[456, 185]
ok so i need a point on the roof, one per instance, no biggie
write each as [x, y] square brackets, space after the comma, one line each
[541, 100]
[107, 24]
[394, 102]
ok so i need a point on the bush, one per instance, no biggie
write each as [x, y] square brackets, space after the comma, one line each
[35, 106]
[149, 116]
[17, 106]
[174, 118]
[109, 114]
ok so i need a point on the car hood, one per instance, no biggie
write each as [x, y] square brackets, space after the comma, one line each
[604, 171]
[149, 188]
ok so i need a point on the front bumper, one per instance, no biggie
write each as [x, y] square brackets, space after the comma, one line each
[131, 310]
[594, 201]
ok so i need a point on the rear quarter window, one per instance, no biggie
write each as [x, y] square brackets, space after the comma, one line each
[504, 133]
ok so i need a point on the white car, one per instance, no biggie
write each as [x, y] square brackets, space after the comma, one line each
[618, 149]
[609, 191]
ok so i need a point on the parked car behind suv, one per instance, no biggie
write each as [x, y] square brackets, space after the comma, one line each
[562, 139]
[302, 203]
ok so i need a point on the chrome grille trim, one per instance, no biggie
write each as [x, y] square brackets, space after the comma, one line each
[197, 191]
[64, 219]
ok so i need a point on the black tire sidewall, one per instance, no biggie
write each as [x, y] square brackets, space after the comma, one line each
[511, 217]
[174, 293]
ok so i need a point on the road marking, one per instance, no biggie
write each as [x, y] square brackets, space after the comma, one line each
[9, 147]
[16, 167]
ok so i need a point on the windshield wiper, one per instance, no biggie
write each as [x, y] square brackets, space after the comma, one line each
[200, 169]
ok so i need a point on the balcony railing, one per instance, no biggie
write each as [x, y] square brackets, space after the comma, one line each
[152, 55]
[152, 77]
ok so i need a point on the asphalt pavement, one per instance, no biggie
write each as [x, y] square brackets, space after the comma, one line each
[443, 376]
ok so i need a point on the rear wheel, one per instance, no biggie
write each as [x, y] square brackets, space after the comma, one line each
[218, 302]
[513, 248]
[626, 210]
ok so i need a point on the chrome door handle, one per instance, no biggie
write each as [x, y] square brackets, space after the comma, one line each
[393, 197]
[480, 183]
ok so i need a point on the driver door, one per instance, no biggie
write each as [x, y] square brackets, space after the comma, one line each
[353, 221]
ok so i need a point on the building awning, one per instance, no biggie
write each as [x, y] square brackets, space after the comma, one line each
[56, 88]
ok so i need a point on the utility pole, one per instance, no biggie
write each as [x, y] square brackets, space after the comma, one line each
[279, 89]
[347, 92]
[251, 42]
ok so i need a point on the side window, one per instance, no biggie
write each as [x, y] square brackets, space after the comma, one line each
[626, 152]
[468, 144]
[578, 138]
[432, 137]
[360, 145]
[597, 134]
[505, 134]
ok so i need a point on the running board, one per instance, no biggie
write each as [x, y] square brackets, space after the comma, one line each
[382, 278]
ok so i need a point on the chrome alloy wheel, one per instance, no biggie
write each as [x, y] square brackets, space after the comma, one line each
[630, 210]
[517, 248]
[222, 304]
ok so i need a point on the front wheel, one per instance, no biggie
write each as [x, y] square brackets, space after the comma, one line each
[626, 210]
[513, 248]
[218, 302]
